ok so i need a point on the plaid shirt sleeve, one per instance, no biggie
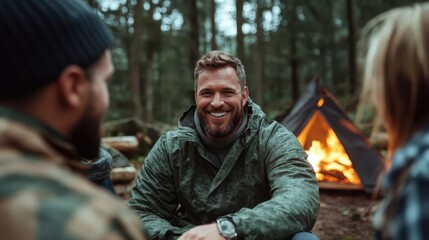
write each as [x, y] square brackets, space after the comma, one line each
[404, 212]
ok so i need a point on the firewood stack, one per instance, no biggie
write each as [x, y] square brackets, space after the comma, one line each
[123, 172]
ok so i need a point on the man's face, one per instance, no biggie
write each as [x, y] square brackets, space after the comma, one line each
[86, 134]
[220, 100]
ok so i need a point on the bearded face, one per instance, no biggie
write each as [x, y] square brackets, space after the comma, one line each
[220, 100]
[219, 129]
[85, 135]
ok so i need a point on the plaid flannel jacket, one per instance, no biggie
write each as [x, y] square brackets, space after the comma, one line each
[42, 196]
[404, 212]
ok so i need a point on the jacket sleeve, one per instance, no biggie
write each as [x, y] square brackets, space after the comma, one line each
[294, 191]
[406, 209]
[154, 197]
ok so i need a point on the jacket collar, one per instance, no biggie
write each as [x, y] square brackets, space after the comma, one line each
[25, 133]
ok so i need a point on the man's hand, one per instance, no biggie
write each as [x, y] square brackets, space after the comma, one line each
[203, 232]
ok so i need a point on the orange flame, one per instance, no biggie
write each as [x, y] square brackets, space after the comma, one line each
[330, 161]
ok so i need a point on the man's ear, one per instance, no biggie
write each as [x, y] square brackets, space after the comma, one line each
[73, 86]
[245, 94]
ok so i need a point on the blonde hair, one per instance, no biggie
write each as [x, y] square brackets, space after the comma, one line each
[394, 59]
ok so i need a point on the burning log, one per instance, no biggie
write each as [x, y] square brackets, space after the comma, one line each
[339, 186]
[335, 174]
[338, 163]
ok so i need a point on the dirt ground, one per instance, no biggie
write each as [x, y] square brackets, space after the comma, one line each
[344, 215]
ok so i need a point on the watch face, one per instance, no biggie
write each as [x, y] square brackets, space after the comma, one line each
[227, 228]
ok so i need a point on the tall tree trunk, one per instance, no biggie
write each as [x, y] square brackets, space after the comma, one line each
[150, 54]
[293, 53]
[240, 36]
[352, 47]
[259, 57]
[193, 34]
[170, 102]
[148, 86]
[332, 45]
[213, 24]
[136, 60]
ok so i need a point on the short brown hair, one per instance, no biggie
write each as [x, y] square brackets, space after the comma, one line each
[219, 59]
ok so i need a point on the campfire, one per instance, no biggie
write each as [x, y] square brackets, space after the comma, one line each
[341, 156]
[326, 153]
[330, 161]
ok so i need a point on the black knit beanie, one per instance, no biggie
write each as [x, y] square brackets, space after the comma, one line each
[39, 38]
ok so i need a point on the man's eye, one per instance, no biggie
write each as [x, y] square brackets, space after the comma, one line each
[205, 94]
[229, 94]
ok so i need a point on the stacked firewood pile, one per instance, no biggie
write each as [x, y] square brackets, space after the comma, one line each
[123, 172]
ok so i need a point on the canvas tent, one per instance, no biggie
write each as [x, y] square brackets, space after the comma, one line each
[319, 108]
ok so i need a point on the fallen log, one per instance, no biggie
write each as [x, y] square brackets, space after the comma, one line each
[379, 140]
[122, 143]
[123, 175]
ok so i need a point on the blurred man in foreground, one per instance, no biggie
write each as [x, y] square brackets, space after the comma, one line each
[54, 67]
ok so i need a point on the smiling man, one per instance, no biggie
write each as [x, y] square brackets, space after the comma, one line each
[220, 100]
[227, 172]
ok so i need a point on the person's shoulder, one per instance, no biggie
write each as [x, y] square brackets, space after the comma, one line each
[420, 166]
[172, 141]
[49, 201]
[274, 128]
[274, 134]
[181, 134]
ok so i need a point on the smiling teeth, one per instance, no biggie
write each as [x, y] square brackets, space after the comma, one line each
[221, 114]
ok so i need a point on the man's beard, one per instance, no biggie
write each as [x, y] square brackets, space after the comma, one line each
[85, 136]
[230, 127]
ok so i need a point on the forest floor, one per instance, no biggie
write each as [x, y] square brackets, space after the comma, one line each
[343, 215]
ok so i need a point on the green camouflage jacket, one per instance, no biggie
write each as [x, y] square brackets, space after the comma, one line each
[265, 183]
[41, 197]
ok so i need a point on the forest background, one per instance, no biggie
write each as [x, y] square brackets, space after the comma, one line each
[283, 45]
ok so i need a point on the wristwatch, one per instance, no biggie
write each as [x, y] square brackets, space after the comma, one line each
[226, 228]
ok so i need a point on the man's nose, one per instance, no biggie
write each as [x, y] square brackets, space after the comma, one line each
[217, 101]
